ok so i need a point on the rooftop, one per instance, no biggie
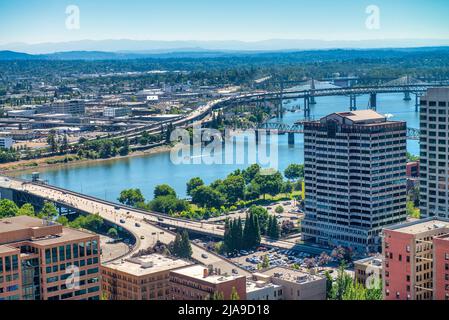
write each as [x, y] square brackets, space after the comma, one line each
[201, 273]
[291, 275]
[374, 261]
[360, 116]
[7, 249]
[147, 264]
[420, 226]
[41, 232]
[254, 285]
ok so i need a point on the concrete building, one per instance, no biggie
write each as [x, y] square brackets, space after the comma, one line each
[298, 285]
[410, 266]
[434, 164]
[73, 107]
[259, 287]
[141, 278]
[116, 112]
[6, 140]
[41, 260]
[355, 181]
[196, 283]
[368, 271]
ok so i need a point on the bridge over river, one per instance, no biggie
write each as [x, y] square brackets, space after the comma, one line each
[146, 227]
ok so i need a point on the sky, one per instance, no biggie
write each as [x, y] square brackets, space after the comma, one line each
[38, 21]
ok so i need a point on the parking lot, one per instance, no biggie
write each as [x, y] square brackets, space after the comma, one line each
[277, 257]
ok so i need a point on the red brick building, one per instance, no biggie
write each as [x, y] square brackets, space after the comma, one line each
[195, 283]
[42, 260]
[441, 267]
[409, 259]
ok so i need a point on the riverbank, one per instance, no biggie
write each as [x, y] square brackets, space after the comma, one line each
[24, 166]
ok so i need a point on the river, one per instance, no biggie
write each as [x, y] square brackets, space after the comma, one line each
[106, 179]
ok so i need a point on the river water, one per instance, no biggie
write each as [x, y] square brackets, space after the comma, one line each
[106, 179]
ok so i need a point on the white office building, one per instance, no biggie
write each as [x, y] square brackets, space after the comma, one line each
[434, 145]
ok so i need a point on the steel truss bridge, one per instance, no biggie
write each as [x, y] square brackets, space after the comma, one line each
[298, 127]
[309, 94]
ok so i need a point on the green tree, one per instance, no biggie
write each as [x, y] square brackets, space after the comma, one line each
[250, 173]
[329, 284]
[164, 190]
[186, 248]
[26, 210]
[279, 209]
[234, 294]
[218, 295]
[265, 262]
[52, 141]
[8, 208]
[412, 211]
[48, 210]
[168, 205]
[131, 197]
[124, 150]
[193, 184]
[206, 196]
[262, 215]
[63, 220]
[294, 171]
[269, 183]
[273, 228]
[113, 233]
[234, 188]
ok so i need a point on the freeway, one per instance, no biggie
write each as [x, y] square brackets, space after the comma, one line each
[137, 222]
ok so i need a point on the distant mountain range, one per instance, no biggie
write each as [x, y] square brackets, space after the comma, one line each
[211, 53]
[153, 46]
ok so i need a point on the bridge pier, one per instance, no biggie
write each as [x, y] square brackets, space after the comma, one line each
[306, 107]
[352, 102]
[373, 101]
[312, 99]
[407, 96]
[417, 102]
[291, 138]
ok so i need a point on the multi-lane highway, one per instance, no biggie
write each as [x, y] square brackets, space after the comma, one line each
[135, 221]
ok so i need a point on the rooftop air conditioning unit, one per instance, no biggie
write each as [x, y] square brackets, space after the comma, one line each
[147, 264]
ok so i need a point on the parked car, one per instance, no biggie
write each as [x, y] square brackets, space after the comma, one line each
[137, 225]
[122, 221]
[205, 256]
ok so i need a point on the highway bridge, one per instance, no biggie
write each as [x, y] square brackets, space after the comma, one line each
[146, 227]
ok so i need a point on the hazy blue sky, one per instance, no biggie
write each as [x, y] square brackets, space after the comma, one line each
[37, 21]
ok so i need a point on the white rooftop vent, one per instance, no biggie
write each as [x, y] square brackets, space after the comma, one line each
[147, 264]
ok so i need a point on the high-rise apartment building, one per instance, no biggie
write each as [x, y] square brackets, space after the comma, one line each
[434, 164]
[41, 260]
[416, 260]
[355, 178]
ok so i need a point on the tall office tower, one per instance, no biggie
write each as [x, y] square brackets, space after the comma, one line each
[434, 164]
[355, 178]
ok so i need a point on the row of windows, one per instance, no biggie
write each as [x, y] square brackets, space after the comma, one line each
[9, 263]
[69, 251]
